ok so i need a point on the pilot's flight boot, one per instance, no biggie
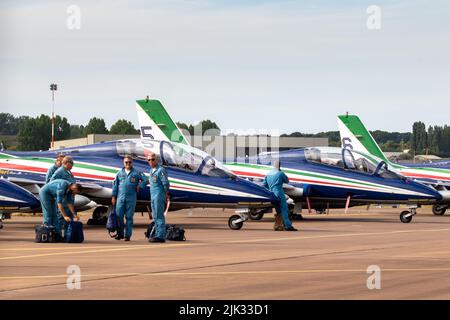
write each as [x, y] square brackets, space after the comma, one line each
[279, 225]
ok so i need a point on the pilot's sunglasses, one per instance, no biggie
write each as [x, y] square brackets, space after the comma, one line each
[151, 159]
[127, 162]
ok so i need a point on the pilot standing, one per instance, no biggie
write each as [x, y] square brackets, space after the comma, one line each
[52, 169]
[126, 186]
[274, 182]
[65, 173]
[159, 187]
[52, 196]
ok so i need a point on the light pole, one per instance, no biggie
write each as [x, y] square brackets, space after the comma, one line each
[53, 88]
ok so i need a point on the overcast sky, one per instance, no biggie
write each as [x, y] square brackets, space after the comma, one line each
[286, 65]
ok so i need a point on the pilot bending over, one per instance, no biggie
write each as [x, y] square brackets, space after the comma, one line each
[274, 182]
[52, 196]
[65, 173]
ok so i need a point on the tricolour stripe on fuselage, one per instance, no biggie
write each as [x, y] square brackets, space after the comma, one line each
[313, 178]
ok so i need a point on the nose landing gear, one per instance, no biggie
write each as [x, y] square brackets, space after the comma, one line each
[236, 221]
[406, 216]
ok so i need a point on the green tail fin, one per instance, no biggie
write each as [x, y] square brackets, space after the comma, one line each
[155, 123]
[355, 135]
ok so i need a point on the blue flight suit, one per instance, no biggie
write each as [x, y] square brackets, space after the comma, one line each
[125, 191]
[159, 185]
[56, 191]
[50, 173]
[274, 182]
[62, 173]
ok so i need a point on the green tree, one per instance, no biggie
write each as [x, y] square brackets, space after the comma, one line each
[204, 125]
[419, 138]
[35, 133]
[76, 131]
[96, 125]
[123, 126]
[8, 124]
[62, 128]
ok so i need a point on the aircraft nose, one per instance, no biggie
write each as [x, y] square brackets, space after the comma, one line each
[30, 200]
[34, 202]
[256, 193]
[431, 193]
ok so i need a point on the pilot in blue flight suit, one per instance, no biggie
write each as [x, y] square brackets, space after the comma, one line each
[52, 196]
[53, 168]
[64, 173]
[274, 182]
[159, 187]
[126, 186]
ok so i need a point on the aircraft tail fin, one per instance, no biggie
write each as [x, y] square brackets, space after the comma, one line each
[156, 124]
[354, 135]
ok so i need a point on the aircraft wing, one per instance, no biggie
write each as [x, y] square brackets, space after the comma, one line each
[96, 190]
[34, 186]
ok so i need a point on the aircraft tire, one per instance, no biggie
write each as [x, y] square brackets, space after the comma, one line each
[233, 224]
[99, 212]
[256, 216]
[405, 217]
[439, 210]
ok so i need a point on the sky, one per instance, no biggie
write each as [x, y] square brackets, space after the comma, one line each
[247, 65]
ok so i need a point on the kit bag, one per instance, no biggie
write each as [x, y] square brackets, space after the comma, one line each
[74, 232]
[112, 225]
[45, 233]
[173, 233]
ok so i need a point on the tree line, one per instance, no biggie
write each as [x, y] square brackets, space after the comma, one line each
[35, 133]
[435, 140]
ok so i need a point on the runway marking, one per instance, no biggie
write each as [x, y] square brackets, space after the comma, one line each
[173, 245]
[212, 273]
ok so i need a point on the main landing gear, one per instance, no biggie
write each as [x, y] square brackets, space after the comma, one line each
[99, 216]
[439, 209]
[256, 215]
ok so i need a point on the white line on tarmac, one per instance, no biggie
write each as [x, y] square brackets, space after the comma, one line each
[212, 273]
[175, 245]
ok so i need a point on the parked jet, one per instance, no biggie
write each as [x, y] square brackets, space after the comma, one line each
[320, 178]
[15, 199]
[197, 179]
[355, 136]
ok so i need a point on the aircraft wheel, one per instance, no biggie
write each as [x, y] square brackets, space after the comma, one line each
[256, 215]
[406, 217]
[235, 222]
[295, 217]
[439, 210]
[99, 212]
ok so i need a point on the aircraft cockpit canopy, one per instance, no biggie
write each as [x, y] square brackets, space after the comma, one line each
[350, 160]
[175, 155]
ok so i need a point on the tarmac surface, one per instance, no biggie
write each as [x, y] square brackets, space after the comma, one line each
[327, 259]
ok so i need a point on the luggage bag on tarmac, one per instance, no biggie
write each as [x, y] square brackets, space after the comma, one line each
[74, 232]
[112, 225]
[173, 233]
[45, 233]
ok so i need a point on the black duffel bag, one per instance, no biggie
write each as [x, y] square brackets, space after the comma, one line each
[173, 233]
[45, 233]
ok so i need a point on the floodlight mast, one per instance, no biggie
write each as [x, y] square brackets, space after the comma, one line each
[53, 88]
